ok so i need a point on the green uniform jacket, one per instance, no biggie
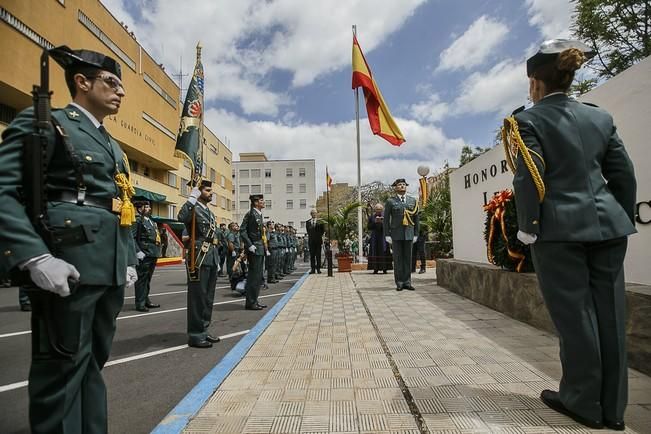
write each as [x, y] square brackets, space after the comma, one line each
[234, 237]
[144, 232]
[100, 262]
[251, 231]
[272, 239]
[394, 210]
[588, 176]
[206, 230]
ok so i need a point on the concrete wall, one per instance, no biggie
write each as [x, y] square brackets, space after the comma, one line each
[628, 98]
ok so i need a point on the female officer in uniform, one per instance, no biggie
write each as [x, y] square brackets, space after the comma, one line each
[575, 195]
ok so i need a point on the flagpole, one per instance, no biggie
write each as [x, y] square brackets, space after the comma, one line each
[359, 167]
[329, 247]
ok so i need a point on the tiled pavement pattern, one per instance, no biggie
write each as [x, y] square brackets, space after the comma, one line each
[320, 367]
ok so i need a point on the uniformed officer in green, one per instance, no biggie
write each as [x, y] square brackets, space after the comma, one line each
[223, 248]
[277, 253]
[251, 231]
[88, 188]
[401, 225]
[233, 246]
[575, 194]
[148, 250]
[203, 266]
[272, 246]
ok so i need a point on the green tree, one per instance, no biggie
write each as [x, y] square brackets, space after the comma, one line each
[341, 223]
[468, 154]
[618, 30]
[437, 215]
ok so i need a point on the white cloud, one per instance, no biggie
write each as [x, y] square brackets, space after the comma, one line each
[244, 40]
[552, 17]
[474, 46]
[334, 145]
[501, 89]
[432, 110]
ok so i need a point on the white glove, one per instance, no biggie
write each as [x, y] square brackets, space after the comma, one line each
[194, 195]
[132, 276]
[52, 274]
[389, 240]
[286, 250]
[527, 238]
[415, 239]
[233, 254]
[140, 256]
[268, 253]
[252, 248]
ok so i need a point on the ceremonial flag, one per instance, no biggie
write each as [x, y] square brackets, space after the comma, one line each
[328, 180]
[379, 116]
[188, 141]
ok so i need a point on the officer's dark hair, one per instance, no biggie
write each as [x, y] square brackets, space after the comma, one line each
[231, 225]
[558, 76]
[86, 71]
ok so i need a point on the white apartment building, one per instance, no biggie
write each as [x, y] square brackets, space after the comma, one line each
[289, 188]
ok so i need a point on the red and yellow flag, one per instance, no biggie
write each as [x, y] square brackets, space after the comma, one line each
[379, 116]
[328, 180]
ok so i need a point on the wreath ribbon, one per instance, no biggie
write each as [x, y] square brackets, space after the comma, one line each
[496, 208]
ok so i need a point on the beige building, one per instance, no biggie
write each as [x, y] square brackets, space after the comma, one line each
[148, 120]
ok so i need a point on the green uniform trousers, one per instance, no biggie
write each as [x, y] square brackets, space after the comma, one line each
[254, 278]
[230, 261]
[402, 250]
[71, 342]
[269, 264]
[583, 288]
[200, 298]
[145, 271]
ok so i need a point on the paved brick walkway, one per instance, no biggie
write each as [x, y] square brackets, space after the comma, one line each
[321, 367]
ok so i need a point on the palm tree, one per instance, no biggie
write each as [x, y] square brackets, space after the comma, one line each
[340, 224]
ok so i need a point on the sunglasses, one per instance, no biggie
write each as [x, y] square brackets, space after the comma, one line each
[112, 82]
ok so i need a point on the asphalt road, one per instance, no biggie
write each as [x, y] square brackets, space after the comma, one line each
[151, 369]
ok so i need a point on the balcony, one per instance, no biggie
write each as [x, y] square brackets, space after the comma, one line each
[171, 193]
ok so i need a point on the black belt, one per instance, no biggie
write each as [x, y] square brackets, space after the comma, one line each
[72, 197]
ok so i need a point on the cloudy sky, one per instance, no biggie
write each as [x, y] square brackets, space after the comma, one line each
[278, 72]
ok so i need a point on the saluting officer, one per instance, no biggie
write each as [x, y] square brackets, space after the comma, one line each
[251, 232]
[202, 279]
[87, 179]
[401, 225]
[575, 196]
[148, 250]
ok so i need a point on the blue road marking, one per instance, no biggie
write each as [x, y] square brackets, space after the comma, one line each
[177, 419]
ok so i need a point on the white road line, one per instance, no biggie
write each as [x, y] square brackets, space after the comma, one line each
[239, 300]
[184, 291]
[21, 384]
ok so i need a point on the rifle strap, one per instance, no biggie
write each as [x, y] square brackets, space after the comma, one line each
[81, 174]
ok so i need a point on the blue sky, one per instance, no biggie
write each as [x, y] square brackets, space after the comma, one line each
[278, 72]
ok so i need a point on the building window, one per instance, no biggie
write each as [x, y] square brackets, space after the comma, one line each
[95, 30]
[290, 224]
[213, 175]
[244, 189]
[301, 188]
[256, 189]
[244, 204]
[145, 171]
[7, 114]
[223, 203]
[267, 189]
[255, 173]
[214, 199]
[133, 166]
[187, 164]
[290, 204]
[303, 204]
[267, 173]
[244, 173]
[301, 171]
[222, 181]
[159, 90]
[204, 169]
[302, 225]
[185, 190]
[228, 204]
[172, 212]
[227, 161]
[289, 172]
[267, 204]
[171, 179]
[290, 188]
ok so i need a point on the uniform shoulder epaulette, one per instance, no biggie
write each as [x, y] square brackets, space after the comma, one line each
[518, 110]
[589, 103]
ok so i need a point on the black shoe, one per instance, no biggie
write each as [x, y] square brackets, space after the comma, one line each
[273, 281]
[384, 271]
[409, 287]
[374, 271]
[212, 339]
[254, 307]
[398, 288]
[142, 308]
[261, 305]
[421, 271]
[615, 426]
[312, 271]
[552, 400]
[26, 307]
[200, 344]
[318, 271]
[152, 305]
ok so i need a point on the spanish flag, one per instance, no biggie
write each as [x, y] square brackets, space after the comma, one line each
[328, 180]
[379, 116]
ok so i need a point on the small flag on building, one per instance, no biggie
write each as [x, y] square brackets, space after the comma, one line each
[379, 116]
[328, 180]
[188, 141]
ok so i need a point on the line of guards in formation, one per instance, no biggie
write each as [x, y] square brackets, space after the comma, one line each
[247, 251]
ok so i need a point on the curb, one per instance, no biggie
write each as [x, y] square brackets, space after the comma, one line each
[178, 418]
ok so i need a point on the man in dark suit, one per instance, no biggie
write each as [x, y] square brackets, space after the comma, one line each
[315, 230]
[401, 225]
[87, 180]
[575, 193]
[251, 231]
